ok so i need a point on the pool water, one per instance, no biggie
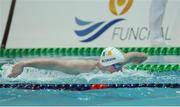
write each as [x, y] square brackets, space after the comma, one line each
[104, 97]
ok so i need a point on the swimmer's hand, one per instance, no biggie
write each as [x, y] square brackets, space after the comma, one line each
[17, 70]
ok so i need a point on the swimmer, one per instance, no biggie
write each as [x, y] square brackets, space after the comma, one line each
[111, 60]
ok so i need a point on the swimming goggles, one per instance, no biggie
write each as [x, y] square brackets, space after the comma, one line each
[117, 66]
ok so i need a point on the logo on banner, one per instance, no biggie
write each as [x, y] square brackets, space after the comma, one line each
[124, 4]
[92, 30]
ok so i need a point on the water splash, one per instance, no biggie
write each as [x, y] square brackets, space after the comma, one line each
[127, 76]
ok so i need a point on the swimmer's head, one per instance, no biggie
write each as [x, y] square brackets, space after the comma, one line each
[112, 59]
[111, 56]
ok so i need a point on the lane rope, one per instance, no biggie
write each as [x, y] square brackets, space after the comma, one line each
[41, 52]
[84, 87]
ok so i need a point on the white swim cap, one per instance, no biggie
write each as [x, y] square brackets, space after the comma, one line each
[110, 56]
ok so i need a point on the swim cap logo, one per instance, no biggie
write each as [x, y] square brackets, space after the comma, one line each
[108, 60]
[107, 56]
[109, 53]
[92, 30]
[125, 4]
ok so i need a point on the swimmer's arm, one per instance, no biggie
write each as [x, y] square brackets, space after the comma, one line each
[53, 64]
[37, 63]
[135, 57]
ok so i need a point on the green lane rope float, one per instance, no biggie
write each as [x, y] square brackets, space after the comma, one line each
[38, 52]
[154, 67]
[151, 67]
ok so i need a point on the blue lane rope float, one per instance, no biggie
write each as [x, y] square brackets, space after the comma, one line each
[85, 87]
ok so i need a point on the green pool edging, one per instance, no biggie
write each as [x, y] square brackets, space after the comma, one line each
[149, 67]
[31, 52]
